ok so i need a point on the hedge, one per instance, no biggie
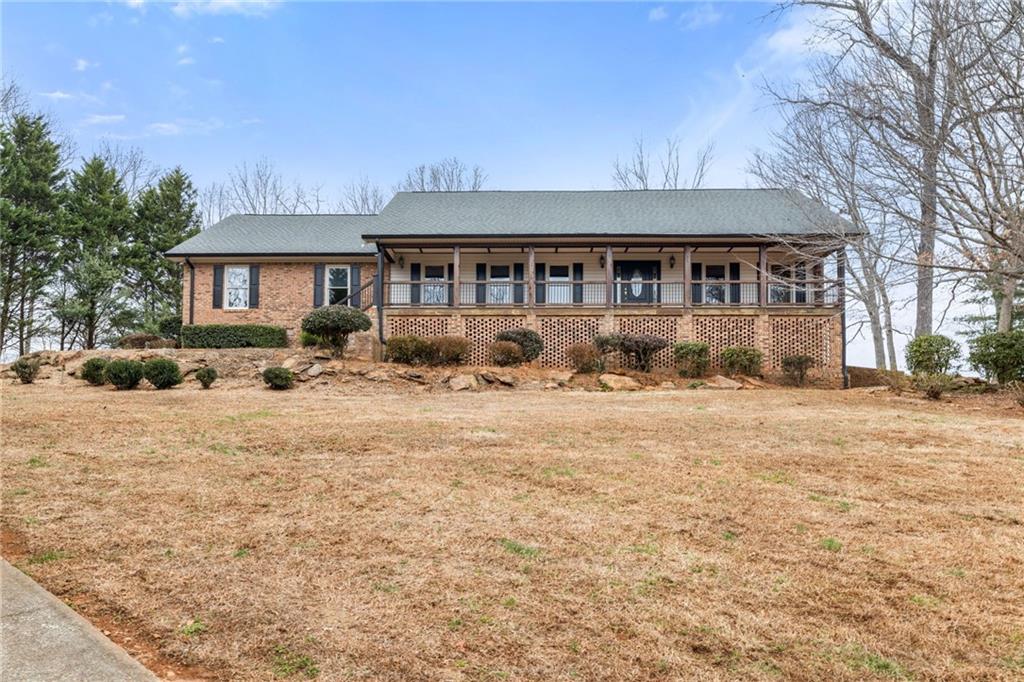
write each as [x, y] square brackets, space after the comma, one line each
[233, 336]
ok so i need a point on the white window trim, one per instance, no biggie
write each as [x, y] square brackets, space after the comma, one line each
[327, 280]
[228, 287]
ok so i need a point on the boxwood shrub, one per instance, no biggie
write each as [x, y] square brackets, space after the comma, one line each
[584, 357]
[505, 353]
[124, 374]
[932, 354]
[92, 371]
[206, 376]
[26, 369]
[742, 360]
[527, 339]
[408, 349]
[795, 368]
[999, 355]
[278, 378]
[334, 323]
[162, 373]
[693, 358]
[233, 336]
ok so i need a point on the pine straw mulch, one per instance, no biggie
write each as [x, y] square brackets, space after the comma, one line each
[800, 534]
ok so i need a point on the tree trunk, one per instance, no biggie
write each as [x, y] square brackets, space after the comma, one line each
[926, 242]
[1004, 314]
[890, 340]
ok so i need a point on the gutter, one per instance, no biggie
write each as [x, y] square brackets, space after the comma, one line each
[191, 290]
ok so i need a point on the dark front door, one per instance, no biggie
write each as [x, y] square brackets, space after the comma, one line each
[637, 281]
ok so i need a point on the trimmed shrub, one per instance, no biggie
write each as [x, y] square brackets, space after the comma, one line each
[139, 340]
[169, 327]
[206, 376]
[124, 374]
[585, 357]
[933, 385]
[278, 378]
[527, 339]
[448, 350]
[506, 353]
[742, 360]
[795, 368]
[999, 355]
[693, 358]
[332, 324]
[233, 336]
[307, 340]
[932, 354]
[607, 343]
[409, 349]
[162, 373]
[26, 369]
[638, 349]
[92, 371]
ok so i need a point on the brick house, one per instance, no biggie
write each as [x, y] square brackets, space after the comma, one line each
[751, 267]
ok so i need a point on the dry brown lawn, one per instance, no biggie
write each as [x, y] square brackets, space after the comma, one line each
[541, 535]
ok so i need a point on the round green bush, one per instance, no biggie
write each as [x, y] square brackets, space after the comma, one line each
[332, 324]
[742, 360]
[26, 369]
[795, 368]
[932, 354]
[693, 358]
[162, 373]
[278, 378]
[206, 376]
[999, 355]
[92, 371]
[448, 350]
[506, 353]
[527, 339]
[638, 349]
[409, 349]
[124, 374]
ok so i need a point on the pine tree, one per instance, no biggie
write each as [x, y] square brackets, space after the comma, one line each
[31, 182]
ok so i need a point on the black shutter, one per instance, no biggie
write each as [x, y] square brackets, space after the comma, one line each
[697, 275]
[539, 272]
[254, 286]
[481, 289]
[801, 288]
[577, 289]
[734, 288]
[355, 280]
[451, 283]
[318, 285]
[414, 289]
[218, 286]
[517, 289]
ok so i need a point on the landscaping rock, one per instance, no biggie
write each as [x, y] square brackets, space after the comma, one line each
[506, 379]
[378, 375]
[487, 377]
[722, 383]
[751, 382]
[552, 384]
[414, 376]
[463, 382]
[617, 382]
[315, 370]
[667, 385]
[561, 377]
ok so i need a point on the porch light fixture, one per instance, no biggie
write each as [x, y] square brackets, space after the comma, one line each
[602, 261]
[401, 262]
[671, 261]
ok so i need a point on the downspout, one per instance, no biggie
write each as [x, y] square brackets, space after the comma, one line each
[378, 295]
[191, 290]
[841, 276]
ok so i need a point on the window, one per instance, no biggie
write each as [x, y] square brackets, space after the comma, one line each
[559, 290]
[780, 290]
[337, 284]
[714, 293]
[434, 294]
[236, 293]
[498, 291]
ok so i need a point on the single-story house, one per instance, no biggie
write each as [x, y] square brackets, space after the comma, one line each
[750, 267]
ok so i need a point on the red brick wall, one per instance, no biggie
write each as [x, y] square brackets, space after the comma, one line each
[286, 296]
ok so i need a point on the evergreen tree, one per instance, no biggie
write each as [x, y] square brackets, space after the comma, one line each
[92, 302]
[165, 215]
[31, 182]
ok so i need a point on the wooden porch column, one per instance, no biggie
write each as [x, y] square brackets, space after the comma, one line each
[456, 276]
[762, 275]
[609, 277]
[531, 276]
[687, 276]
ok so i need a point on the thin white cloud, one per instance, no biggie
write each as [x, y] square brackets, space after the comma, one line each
[184, 126]
[659, 13]
[700, 16]
[251, 121]
[256, 8]
[183, 48]
[186, 61]
[57, 95]
[217, 40]
[136, 4]
[84, 64]
[103, 119]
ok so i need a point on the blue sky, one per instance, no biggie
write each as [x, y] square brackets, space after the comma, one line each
[542, 95]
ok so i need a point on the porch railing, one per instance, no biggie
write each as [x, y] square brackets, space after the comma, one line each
[625, 293]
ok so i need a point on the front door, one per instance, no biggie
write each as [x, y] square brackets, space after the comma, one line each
[637, 281]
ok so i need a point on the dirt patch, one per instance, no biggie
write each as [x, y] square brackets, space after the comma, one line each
[549, 534]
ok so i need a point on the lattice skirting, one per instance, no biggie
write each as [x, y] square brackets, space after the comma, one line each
[403, 325]
[721, 332]
[803, 336]
[481, 332]
[663, 326]
[558, 333]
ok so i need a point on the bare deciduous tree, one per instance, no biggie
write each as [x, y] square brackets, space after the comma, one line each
[362, 197]
[637, 173]
[134, 171]
[258, 188]
[446, 175]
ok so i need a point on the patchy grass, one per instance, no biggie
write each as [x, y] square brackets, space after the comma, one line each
[528, 535]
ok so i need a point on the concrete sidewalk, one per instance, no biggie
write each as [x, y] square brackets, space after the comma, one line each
[41, 639]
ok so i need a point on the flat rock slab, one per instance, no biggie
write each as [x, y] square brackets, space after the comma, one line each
[42, 639]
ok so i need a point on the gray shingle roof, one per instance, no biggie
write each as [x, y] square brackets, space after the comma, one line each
[285, 235]
[703, 212]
